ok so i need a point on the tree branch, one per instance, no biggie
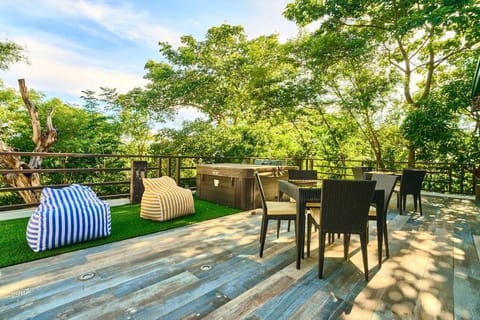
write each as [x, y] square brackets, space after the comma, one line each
[430, 68]
[407, 74]
[42, 140]
[32, 110]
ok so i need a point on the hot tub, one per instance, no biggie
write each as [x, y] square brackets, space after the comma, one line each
[234, 184]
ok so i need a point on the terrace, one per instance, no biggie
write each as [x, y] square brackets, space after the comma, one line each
[300, 89]
[212, 270]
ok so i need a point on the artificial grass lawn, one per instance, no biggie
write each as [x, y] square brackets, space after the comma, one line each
[126, 223]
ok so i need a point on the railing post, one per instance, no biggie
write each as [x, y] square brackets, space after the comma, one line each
[177, 170]
[462, 178]
[159, 165]
[137, 173]
[450, 180]
[64, 174]
[476, 181]
[169, 167]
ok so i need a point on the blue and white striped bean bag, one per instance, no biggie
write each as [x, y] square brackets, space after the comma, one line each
[66, 216]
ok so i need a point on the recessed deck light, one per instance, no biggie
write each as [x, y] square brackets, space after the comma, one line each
[86, 276]
[205, 267]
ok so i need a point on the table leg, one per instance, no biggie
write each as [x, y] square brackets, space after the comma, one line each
[380, 223]
[300, 231]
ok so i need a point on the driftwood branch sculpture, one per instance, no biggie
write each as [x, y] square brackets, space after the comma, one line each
[42, 140]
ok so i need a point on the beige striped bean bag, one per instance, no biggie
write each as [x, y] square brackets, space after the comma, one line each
[163, 200]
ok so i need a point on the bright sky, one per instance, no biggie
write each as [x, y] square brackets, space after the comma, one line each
[74, 45]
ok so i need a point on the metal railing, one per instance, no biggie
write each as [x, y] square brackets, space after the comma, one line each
[442, 177]
[110, 175]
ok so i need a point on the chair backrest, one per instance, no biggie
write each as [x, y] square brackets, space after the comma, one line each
[358, 172]
[412, 180]
[345, 205]
[386, 182]
[262, 193]
[302, 174]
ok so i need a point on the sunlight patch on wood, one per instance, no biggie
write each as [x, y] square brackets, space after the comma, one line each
[431, 305]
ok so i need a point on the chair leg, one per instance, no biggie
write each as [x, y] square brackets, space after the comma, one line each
[415, 200]
[288, 227]
[263, 234]
[346, 245]
[363, 244]
[420, 204]
[309, 234]
[404, 202]
[321, 253]
[295, 230]
[314, 225]
[399, 203]
[278, 228]
[385, 239]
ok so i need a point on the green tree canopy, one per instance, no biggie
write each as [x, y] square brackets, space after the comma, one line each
[418, 39]
[10, 53]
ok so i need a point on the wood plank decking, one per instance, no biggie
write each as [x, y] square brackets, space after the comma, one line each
[212, 270]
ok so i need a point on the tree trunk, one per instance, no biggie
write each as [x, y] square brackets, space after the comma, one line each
[411, 158]
[476, 113]
[42, 141]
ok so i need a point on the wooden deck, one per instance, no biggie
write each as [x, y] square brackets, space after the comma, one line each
[212, 270]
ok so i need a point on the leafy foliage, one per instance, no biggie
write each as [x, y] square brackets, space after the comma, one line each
[416, 39]
[10, 53]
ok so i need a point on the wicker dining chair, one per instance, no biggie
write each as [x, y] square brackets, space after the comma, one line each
[410, 183]
[386, 182]
[344, 209]
[273, 210]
